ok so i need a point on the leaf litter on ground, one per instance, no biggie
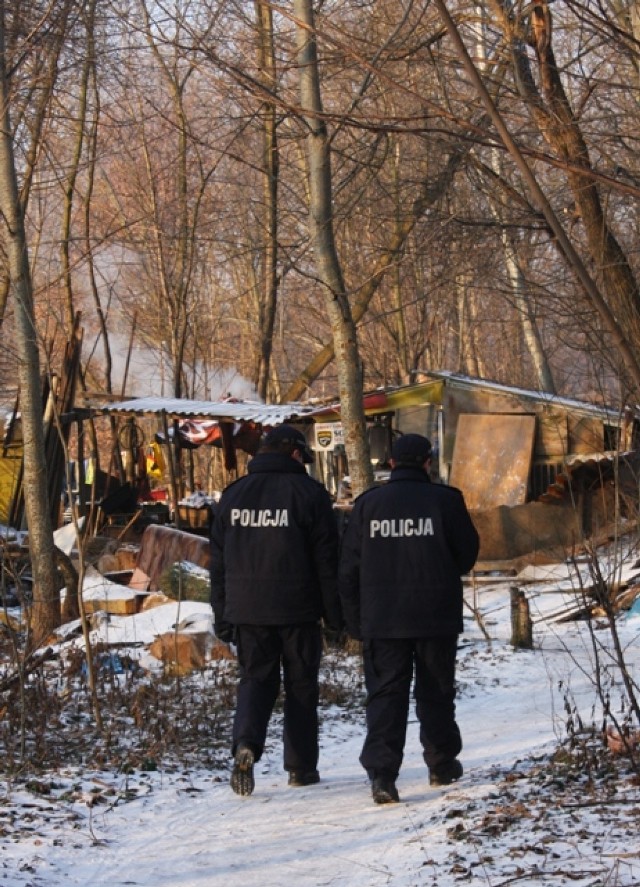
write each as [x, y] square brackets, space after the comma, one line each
[542, 800]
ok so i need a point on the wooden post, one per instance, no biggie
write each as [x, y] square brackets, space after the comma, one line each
[521, 625]
[172, 468]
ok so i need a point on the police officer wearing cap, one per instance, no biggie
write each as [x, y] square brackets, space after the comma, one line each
[274, 552]
[405, 548]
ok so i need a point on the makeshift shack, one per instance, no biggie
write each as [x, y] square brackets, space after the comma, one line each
[163, 429]
[540, 473]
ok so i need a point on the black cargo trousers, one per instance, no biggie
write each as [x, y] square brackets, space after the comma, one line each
[388, 668]
[263, 652]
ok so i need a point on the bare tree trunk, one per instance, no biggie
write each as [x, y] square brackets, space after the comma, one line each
[620, 338]
[271, 166]
[175, 255]
[558, 125]
[467, 354]
[479, 366]
[70, 184]
[402, 340]
[532, 337]
[43, 73]
[627, 16]
[531, 332]
[326, 256]
[106, 367]
[46, 606]
[429, 193]
[4, 287]
[634, 17]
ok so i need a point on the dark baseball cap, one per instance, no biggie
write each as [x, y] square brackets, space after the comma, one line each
[287, 434]
[411, 449]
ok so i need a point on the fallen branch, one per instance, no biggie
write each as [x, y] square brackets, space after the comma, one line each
[538, 875]
[30, 665]
[608, 802]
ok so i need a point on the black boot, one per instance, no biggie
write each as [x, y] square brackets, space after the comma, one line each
[445, 774]
[303, 777]
[242, 781]
[384, 791]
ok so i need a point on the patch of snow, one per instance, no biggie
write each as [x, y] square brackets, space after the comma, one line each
[96, 587]
[143, 628]
[66, 538]
[185, 828]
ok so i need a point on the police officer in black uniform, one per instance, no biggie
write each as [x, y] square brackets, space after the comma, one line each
[405, 548]
[274, 552]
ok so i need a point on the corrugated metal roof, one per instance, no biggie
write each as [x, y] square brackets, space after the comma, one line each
[608, 414]
[276, 414]
[241, 411]
[430, 391]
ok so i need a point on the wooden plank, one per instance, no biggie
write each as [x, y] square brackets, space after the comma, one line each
[117, 606]
[563, 613]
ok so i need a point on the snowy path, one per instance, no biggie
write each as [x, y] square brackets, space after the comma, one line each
[321, 835]
[190, 830]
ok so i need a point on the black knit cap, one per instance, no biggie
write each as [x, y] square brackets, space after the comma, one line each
[411, 449]
[287, 434]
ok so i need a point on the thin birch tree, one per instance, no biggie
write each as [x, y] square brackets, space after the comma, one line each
[327, 263]
[46, 596]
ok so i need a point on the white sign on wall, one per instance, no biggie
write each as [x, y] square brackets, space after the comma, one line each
[328, 435]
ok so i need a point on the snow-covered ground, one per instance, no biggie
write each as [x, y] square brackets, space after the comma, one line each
[514, 818]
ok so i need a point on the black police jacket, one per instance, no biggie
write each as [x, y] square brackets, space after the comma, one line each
[274, 548]
[404, 550]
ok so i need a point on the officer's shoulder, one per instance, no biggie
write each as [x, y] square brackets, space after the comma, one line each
[368, 492]
[447, 490]
[315, 485]
[234, 483]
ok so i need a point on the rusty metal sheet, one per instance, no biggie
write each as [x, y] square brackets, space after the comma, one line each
[492, 458]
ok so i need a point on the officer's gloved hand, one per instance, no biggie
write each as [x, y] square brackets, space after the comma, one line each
[225, 632]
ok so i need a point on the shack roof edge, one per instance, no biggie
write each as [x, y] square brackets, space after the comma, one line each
[226, 410]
